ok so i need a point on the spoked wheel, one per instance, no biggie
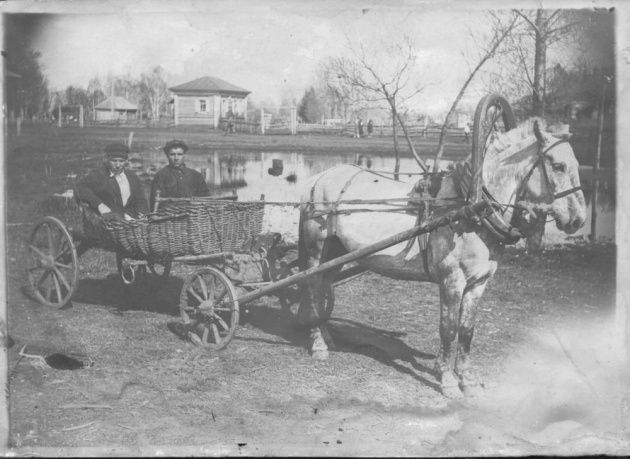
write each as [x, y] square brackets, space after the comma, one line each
[209, 308]
[52, 264]
[493, 115]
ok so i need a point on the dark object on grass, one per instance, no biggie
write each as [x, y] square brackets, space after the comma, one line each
[64, 362]
[276, 168]
[291, 178]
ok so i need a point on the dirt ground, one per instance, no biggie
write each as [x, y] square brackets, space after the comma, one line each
[546, 347]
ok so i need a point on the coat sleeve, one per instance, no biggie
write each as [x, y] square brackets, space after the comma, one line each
[85, 187]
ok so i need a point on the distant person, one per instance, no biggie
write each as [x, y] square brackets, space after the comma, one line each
[370, 128]
[229, 124]
[176, 180]
[467, 133]
[360, 126]
[111, 190]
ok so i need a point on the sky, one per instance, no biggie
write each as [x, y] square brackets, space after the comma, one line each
[271, 48]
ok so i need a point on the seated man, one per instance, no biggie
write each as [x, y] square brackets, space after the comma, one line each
[111, 190]
[176, 180]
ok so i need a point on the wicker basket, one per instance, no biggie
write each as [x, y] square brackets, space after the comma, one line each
[189, 227]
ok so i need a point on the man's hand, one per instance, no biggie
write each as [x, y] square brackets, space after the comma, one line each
[103, 209]
[112, 216]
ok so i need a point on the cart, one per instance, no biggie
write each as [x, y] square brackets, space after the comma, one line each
[221, 239]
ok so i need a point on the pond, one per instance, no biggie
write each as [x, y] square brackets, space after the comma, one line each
[280, 176]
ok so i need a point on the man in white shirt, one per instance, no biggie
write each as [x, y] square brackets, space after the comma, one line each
[111, 190]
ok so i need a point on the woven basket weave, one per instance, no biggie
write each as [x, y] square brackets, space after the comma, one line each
[195, 227]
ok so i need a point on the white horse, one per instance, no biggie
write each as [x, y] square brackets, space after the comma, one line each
[525, 173]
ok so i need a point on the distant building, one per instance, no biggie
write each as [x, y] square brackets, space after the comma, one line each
[116, 109]
[206, 100]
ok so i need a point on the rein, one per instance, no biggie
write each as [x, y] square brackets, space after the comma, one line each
[495, 223]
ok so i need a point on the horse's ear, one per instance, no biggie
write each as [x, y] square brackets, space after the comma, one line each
[537, 133]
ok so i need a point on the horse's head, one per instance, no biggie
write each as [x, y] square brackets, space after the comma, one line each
[554, 182]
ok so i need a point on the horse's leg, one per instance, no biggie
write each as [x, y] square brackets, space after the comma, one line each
[332, 248]
[451, 290]
[470, 300]
[310, 248]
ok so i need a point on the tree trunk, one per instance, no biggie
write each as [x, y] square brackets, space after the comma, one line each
[489, 54]
[538, 95]
[396, 152]
[410, 143]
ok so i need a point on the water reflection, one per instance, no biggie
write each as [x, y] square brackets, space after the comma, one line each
[280, 177]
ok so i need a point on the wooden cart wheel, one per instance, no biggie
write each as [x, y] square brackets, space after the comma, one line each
[493, 115]
[209, 308]
[52, 263]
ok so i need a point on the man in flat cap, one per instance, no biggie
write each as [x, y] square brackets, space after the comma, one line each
[175, 180]
[111, 190]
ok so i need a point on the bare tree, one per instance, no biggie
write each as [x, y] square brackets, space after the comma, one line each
[154, 91]
[500, 30]
[545, 28]
[371, 81]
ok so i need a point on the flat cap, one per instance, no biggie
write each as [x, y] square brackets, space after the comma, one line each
[117, 150]
[175, 144]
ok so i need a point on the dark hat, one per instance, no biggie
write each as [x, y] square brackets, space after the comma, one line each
[175, 144]
[117, 150]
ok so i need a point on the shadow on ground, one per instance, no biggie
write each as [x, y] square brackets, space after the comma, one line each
[349, 336]
[151, 293]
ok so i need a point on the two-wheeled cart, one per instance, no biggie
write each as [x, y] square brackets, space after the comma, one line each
[220, 239]
[209, 302]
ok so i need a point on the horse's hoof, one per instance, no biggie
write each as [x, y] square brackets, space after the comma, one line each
[320, 354]
[450, 386]
[452, 392]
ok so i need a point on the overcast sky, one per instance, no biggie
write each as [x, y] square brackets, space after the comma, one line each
[271, 48]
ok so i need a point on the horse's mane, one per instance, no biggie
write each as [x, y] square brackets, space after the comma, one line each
[502, 145]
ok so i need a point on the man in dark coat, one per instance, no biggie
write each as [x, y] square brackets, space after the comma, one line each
[176, 180]
[111, 190]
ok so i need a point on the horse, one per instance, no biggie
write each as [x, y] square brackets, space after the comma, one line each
[527, 174]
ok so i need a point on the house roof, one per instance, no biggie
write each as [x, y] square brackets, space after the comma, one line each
[209, 84]
[120, 103]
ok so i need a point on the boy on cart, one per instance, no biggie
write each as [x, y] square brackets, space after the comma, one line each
[175, 180]
[111, 190]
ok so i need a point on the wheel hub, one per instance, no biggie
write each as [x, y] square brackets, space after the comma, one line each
[207, 306]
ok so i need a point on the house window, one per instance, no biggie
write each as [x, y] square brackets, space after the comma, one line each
[203, 105]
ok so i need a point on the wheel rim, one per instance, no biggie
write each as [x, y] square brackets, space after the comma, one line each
[52, 266]
[209, 308]
[493, 115]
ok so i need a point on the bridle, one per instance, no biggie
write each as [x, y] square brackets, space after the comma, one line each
[494, 222]
[540, 162]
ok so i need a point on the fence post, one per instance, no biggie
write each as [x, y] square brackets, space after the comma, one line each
[262, 121]
[81, 123]
[293, 120]
[595, 180]
[59, 116]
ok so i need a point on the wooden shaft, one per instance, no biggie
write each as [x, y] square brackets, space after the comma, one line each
[214, 256]
[450, 217]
